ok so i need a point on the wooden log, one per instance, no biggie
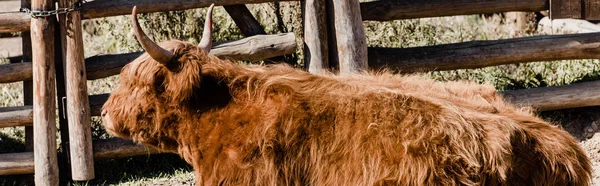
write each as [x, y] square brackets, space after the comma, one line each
[96, 102]
[119, 148]
[477, 54]
[14, 22]
[562, 9]
[350, 36]
[78, 108]
[102, 66]
[316, 57]
[592, 9]
[248, 49]
[44, 97]
[96, 9]
[15, 72]
[18, 116]
[243, 18]
[560, 97]
[16, 163]
[256, 47]
[386, 10]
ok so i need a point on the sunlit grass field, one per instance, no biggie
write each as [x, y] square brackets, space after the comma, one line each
[113, 35]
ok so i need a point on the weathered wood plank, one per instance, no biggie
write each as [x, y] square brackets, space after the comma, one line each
[560, 97]
[248, 49]
[386, 10]
[105, 8]
[119, 148]
[44, 97]
[477, 54]
[561, 9]
[14, 22]
[16, 163]
[592, 9]
[350, 36]
[257, 47]
[316, 57]
[15, 72]
[78, 108]
[16, 116]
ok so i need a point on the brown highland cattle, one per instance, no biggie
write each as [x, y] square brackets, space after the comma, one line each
[275, 125]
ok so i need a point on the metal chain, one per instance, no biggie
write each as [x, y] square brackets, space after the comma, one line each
[38, 13]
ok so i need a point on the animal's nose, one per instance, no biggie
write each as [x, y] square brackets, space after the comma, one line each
[103, 113]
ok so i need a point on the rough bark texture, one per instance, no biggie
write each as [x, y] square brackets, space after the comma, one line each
[119, 148]
[476, 54]
[315, 36]
[44, 97]
[14, 22]
[561, 9]
[386, 10]
[16, 116]
[561, 97]
[16, 163]
[78, 108]
[350, 36]
[96, 9]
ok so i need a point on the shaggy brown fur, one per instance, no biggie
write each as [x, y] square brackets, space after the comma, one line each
[274, 125]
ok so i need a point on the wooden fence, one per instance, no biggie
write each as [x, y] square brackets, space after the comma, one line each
[333, 36]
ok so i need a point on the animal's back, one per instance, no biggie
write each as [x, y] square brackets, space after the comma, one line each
[427, 133]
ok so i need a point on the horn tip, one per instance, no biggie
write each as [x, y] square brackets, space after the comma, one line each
[134, 10]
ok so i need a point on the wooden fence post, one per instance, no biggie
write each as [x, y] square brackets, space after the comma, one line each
[562, 9]
[316, 57]
[44, 102]
[350, 36]
[78, 108]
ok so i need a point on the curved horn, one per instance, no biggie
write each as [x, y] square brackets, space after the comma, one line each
[156, 52]
[206, 41]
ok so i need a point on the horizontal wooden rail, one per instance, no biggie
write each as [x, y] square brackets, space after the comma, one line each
[477, 54]
[15, 72]
[119, 148]
[253, 48]
[560, 97]
[16, 116]
[105, 8]
[14, 22]
[381, 10]
[16, 163]
[96, 102]
[22, 163]
[386, 10]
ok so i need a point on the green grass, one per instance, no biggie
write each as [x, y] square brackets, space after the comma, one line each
[112, 35]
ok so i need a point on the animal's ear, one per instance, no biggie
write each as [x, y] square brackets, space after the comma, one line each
[156, 52]
[180, 85]
[206, 41]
